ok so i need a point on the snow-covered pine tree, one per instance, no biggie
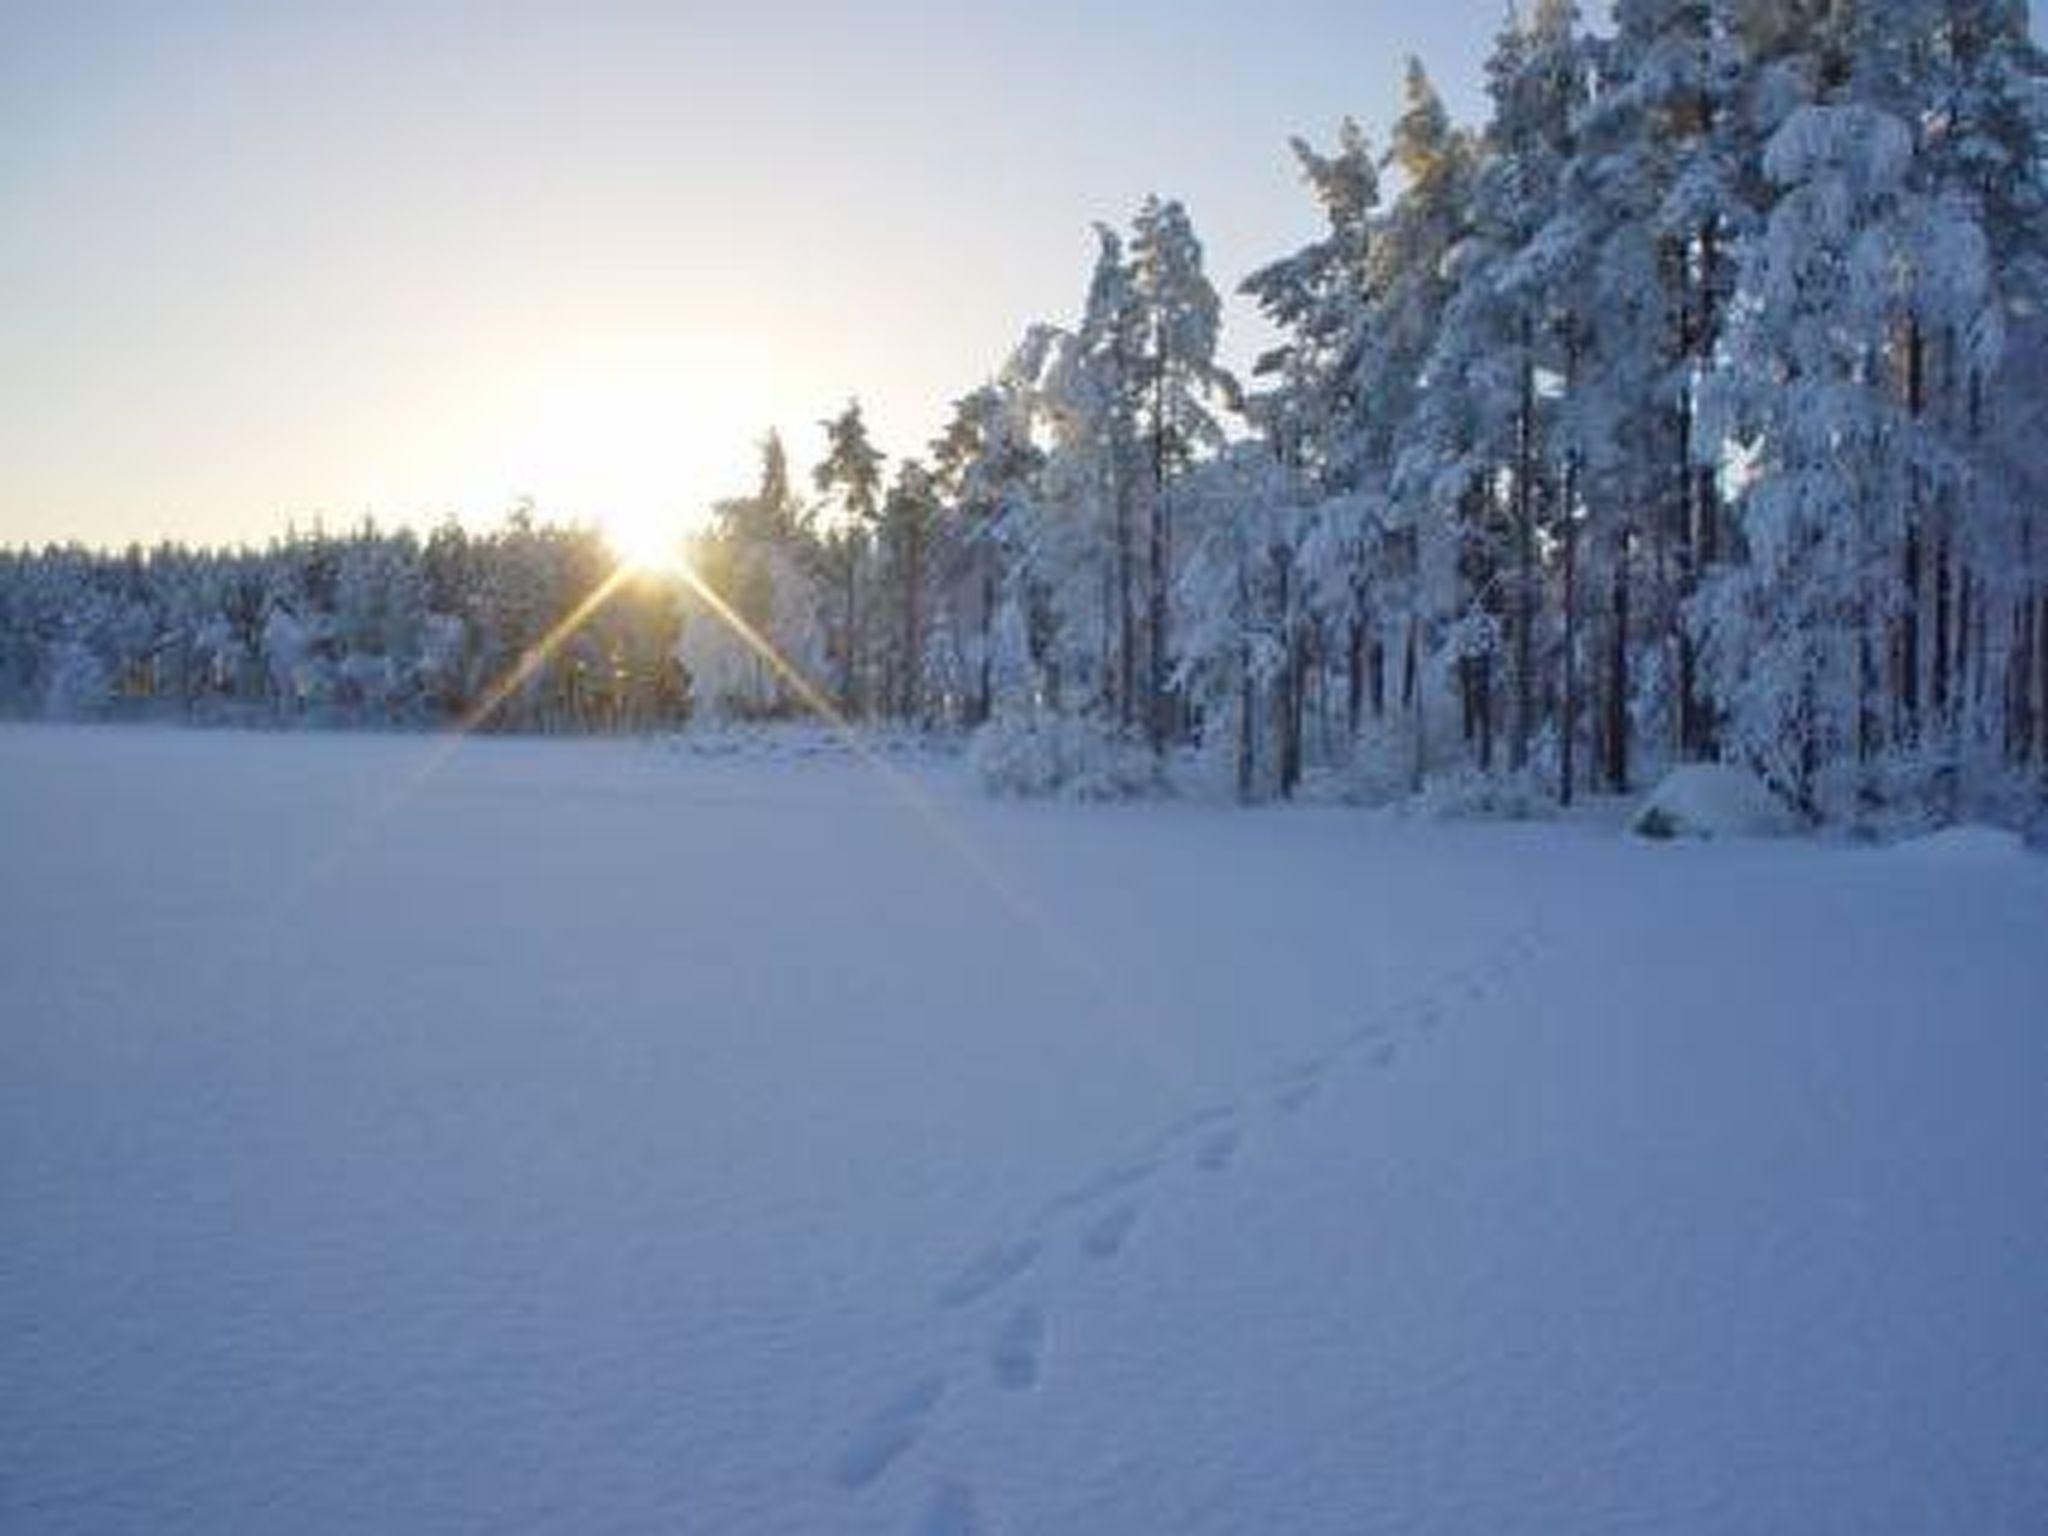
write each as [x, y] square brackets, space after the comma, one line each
[1181, 393]
[849, 477]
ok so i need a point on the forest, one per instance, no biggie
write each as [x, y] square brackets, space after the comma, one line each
[1693, 407]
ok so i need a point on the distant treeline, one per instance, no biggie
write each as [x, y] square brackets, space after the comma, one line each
[365, 628]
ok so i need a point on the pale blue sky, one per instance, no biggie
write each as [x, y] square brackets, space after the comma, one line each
[265, 261]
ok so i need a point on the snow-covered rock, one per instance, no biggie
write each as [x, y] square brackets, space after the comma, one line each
[1711, 800]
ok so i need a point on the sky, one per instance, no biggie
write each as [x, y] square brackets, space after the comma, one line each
[267, 264]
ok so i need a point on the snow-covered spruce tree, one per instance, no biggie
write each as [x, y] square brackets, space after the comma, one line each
[1650, 207]
[849, 477]
[1308, 414]
[1478, 452]
[1872, 323]
[1408, 428]
[1180, 392]
[1965, 75]
[1836, 458]
[756, 556]
[905, 533]
[986, 468]
[1240, 667]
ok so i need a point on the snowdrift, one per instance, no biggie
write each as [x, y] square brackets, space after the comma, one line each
[1711, 800]
[1054, 756]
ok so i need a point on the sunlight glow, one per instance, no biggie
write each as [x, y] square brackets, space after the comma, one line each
[619, 439]
[643, 541]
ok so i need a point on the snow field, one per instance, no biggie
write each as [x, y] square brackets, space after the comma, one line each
[591, 1136]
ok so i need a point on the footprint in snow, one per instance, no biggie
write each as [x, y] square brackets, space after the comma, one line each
[1291, 1098]
[992, 1269]
[1367, 1033]
[891, 1431]
[1383, 1055]
[1014, 1356]
[1200, 1120]
[951, 1512]
[1219, 1150]
[1106, 1235]
[1429, 1018]
[1108, 1182]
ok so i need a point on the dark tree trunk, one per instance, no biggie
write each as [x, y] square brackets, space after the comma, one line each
[984, 704]
[1354, 675]
[1938, 692]
[1616, 733]
[1157, 720]
[1126, 603]
[1568, 707]
[1525, 558]
[1914, 575]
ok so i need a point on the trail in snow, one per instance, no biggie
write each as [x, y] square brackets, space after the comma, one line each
[1218, 1132]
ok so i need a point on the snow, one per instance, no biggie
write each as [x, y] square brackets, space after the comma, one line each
[1711, 800]
[615, 1137]
[1964, 845]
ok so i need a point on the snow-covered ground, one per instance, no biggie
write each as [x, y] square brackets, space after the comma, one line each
[615, 1138]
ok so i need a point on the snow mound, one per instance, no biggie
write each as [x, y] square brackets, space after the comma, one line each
[1047, 756]
[1711, 800]
[1964, 845]
[1469, 795]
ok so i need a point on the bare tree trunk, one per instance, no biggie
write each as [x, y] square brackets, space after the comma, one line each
[1295, 702]
[984, 704]
[1568, 708]
[2041, 685]
[1938, 692]
[913, 627]
[1156, 722]
[1126, 613]
[1354, 674]
[1617, 673]
[1913, 575]
[1411, 697]
[1525, 558]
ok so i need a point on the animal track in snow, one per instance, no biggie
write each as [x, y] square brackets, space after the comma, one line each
[951, 1512]
[1109, 1181]
[1291, 1098]
[990, 1270]
[1383, 1055]
[888, 1433]
[1104, 1237]
[1200, 1120]
[1219, 1150]
[1014, 1356]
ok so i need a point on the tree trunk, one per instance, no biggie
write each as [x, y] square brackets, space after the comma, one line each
[1910, 640]
[1568, 706]
[984, 704]
[1126, 673]
[1294, 702]
[1354, 675]
[1617, 673]
[1525, 558]
[1938, 692]
[1156, 719]
[913, 627]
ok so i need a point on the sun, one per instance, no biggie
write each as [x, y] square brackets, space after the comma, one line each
[644, 539]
